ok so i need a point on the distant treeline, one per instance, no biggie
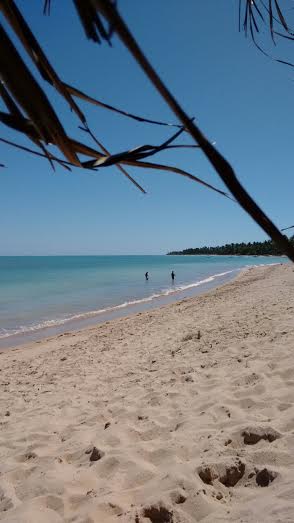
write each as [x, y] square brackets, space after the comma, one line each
[252, 248]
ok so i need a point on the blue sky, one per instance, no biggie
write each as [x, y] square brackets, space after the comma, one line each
[240, 99]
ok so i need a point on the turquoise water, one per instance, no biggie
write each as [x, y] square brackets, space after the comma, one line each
[50, 291]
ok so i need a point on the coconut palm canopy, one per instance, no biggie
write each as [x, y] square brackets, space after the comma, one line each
[27, 109]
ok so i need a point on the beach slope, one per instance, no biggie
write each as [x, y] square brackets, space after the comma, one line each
[177, 415]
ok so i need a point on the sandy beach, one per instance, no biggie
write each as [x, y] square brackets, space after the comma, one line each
[176, 415]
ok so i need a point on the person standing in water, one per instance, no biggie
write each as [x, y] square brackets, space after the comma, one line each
[172, 275]
[146, 276]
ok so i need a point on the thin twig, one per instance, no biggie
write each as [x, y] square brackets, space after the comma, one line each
[64, 163]
[83, 96]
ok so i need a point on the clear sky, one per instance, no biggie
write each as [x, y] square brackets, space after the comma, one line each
[240, 99]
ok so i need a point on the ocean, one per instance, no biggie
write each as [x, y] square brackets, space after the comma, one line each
[44, 295]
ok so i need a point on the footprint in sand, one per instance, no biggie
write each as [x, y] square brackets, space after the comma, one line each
[253, 435]
[158, 514]
[228, 474]
[5, 502]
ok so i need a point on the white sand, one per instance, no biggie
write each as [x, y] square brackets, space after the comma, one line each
[160, 405]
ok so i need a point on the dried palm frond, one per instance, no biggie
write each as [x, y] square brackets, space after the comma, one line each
[287, 228]
[92, 22]
[9, 102]
[261, 11]
[16, 121]
[21, 28]
[47, 7]
[268, 13]
[131, 158]
[91, 164]
[36, 53]
[159, 167]
[138, 153]
[119, 167]
[102, 160]
[22, 86]
[220, 164]
[79, 94]
[30, 112]
[46, 154]
[62, 162]
[15, 118]
[20, 124]
[33, 48]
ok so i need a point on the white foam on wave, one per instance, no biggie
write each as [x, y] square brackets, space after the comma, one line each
[26, 329]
